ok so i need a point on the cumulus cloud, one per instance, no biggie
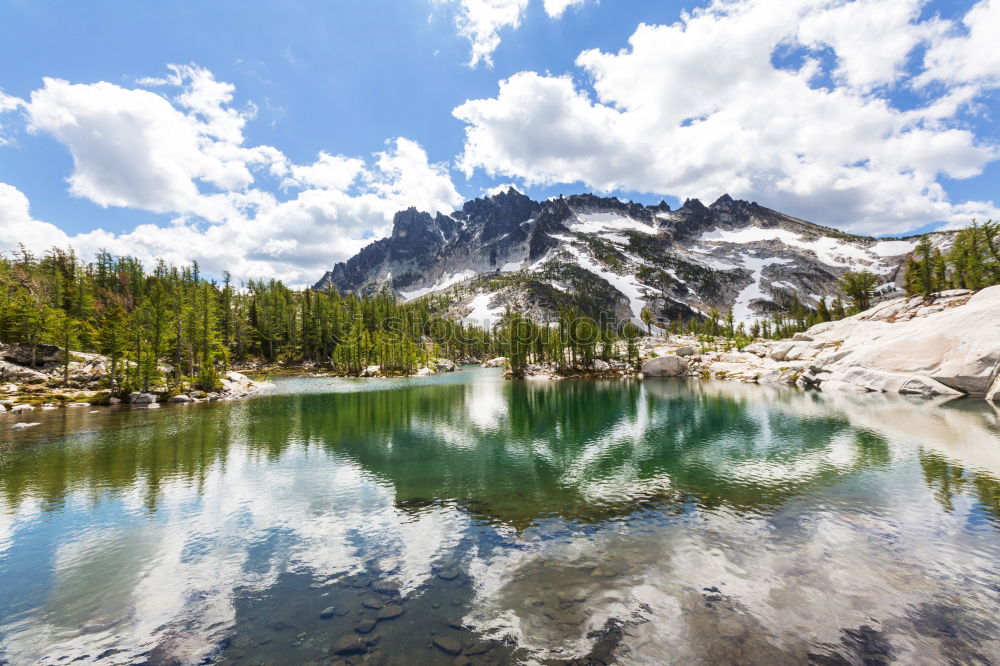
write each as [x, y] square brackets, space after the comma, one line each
[186, 156]
[701, 107]
[969, 54]
[480, 21]
[134, 148]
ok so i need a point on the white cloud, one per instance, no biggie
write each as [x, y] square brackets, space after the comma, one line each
[698, 108]
[134, 148]
[480, 21]
[556, 8]
[7, 103]
[969, 57]
[186, 157]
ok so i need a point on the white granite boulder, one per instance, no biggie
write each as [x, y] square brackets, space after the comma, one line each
[665, 366]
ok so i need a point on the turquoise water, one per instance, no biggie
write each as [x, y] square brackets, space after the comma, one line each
[652, 522]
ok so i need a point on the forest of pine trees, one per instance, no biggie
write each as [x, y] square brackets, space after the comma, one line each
[172, 325]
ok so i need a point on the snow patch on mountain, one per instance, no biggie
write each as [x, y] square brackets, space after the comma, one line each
[742, 311]
[831, 251]
[482, 314]
[449, 281]
[592, 223]
[894, 248]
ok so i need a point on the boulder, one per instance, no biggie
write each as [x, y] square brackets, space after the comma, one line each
[994, 393]
[445, 365]
[17, 372]
[665, 366]
[237, 377]
[600, 365]
[926, 387]
[498, 362]
[20, 409]
[22, 426]
[424, 372]
[756, 349]
[8, 388]
[114, 401]
[178, 399]
[686, 351]
[21, 354]
[137, 398]
[802, 337]
[3, 409]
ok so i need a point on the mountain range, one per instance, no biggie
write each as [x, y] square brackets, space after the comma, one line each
[612, 258]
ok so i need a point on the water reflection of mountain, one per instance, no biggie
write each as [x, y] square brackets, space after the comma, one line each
[517, 452]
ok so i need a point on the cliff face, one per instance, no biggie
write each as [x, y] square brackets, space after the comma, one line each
[612, 258]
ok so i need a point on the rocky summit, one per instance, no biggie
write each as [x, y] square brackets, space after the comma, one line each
[612, 258]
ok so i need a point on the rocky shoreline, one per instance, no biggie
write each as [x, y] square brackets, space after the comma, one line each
[947, 345]
[33, 380]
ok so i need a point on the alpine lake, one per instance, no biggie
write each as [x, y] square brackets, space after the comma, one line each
[464, 519]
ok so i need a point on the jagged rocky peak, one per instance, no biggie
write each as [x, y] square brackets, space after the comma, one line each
[499, 214]
[589, 203]
[606, 255]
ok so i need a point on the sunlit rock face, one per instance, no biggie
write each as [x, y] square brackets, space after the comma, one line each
[613, 258]
[634, 522]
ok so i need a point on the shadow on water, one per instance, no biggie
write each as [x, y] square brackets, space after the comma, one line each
[596, 521]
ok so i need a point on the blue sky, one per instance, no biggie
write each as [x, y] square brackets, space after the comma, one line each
[876, 116]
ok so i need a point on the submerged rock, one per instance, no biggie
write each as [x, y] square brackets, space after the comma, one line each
[390, 612]
[365, 626]
[447, 645]
[351, 644]
[386, 587]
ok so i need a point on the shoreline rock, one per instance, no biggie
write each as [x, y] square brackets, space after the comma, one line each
[946, 346]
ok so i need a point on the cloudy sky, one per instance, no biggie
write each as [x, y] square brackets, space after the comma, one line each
[274, 139]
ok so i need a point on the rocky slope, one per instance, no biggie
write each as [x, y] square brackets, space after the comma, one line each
[947, 346]
[611, 258]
